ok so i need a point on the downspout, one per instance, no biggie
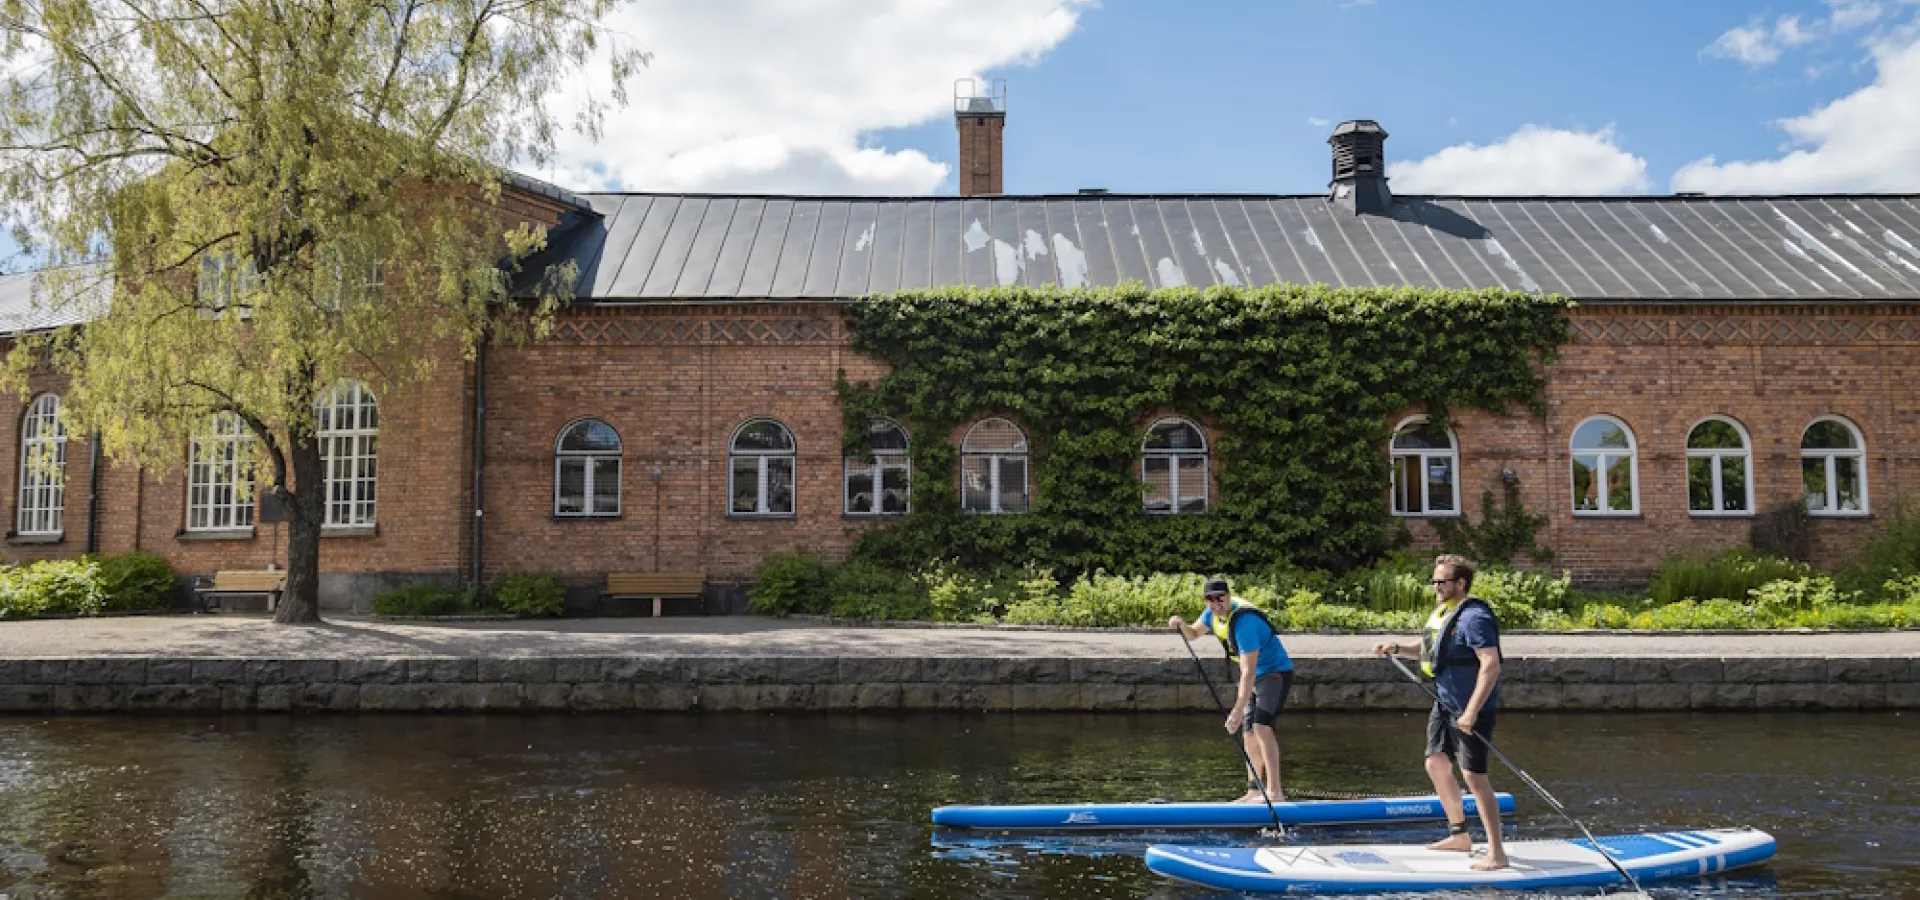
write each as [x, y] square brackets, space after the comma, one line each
[479, 451]
[93, 494]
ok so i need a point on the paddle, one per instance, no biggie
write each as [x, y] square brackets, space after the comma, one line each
[1524, 777]
[1237, 741]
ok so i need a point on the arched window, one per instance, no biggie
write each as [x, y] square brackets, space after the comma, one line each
[348, 422]
[1833, 468]
[1719, 468]
[586, 470]
[993, 468]
[1173, 466]
[760, 462]
[43, 468]
[1426, 470]
[220, 476]
[1605, 472]
[877, 484]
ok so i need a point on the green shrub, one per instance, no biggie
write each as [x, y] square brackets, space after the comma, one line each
[861, 590]
[1729, 576]
[522, 594]
[1397, 583]
[956, 595]
[52, 587]
[787, 583]
[1890, 555]
[423, 598]
[1782, 531]
[136, 581]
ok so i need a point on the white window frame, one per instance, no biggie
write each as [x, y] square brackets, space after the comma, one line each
[1605, 491]
[590, 459]
[341, 290]
[875, 465]
[993, 458]
[1173, 458]
[220, 481]
[1394, 456]
[761, 509]
[43, 469]
[1858, 453]
[1714, 458]
[222, 280]
[356, 473]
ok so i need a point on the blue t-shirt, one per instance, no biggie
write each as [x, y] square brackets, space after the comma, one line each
[1252, 635]
[1474, 629]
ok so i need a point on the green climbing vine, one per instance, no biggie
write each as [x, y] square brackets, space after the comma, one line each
[1294, 386]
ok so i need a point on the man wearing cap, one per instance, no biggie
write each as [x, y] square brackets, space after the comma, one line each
[1266, 675]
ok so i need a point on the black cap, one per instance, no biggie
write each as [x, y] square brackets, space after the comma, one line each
[1214, 586]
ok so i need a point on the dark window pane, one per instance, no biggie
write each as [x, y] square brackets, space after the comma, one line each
[1700, 484]
[1715, 435]
[1406, 474]
[1600, 434]
[1193, 484]
[860, 487]
[570, 494]
[1424, 436]
[1586, 483]
[1846, 480]
[1013, 483]
[606, 485]
[976, 485]
[1827, 434]
[746, 485]
[894, 487]
[1174, 435]
[994, 436]
[1620, 483]
[590, 436]
[889, 436]
[780, 484]
[1733, 483]
[1157, 476]
[1439, 484]
[1813, 482]
[764, 436]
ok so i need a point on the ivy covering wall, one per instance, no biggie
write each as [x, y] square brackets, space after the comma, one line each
[1293, 385]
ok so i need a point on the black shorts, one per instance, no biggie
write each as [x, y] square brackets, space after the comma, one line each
[1444, 737]
[1269, 696]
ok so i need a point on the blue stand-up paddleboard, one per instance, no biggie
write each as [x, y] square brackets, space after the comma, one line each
[1364, 868]
[1077, 816]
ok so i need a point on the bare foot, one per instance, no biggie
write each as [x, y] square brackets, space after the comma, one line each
[1490, 864]
[1458, 843]
[1250, 797]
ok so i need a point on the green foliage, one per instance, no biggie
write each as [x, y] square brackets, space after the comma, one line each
[1395, 583]
[1296, 384]
[1728, 576]
[1893, 553]
[1782, 531]
[522, 594]
[862, 590]
[787, 583]
[1503, 531]
[424, 598]
[89, 585]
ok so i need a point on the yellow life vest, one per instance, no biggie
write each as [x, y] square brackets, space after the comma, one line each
[1439, 623]
[1223, 627]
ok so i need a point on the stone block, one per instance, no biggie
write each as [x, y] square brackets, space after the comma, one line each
[1341, 695]
[310, 671]
[601, 696]
[1516, 669]
[1589, 696]
[732, 670]
[443, 670]
[646, 670]
[1865, 669]
[487, 695]
[236, 698]
[1532, 695]
[170, 671]
[173, 698]
[1037, 670]
[1046, 697]
[1583, 670]
[107, 670]
[26, 698]
[1723, 696]
[729, 697]
[964, 670]
[808, 669]
[994, 697]
[219, 671]
[878, 696]
[1666, 696]
[272, 697]
[1696, 670]
[1104, 671]
[325, 697]
[580, 669]
[1775, 669]
[1303, 696]
[549, 696]
[1854, 696]
[1107, 697]
[1641, 670]
[393, 697]
[664, 697]
[514, 670]
[37, 671]
[90, 697]
[1903, 695]
[939, 696]
[1342, 670]
[878, 670]
[389, 670]
[1404, 695]
[265, 671]
[1788, 696]
[1196, 697]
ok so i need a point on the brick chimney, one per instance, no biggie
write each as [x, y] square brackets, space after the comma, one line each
[1360, 168]
[980, 114]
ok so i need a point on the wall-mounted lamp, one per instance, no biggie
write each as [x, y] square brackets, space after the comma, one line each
[1506, 475]
[656, 474]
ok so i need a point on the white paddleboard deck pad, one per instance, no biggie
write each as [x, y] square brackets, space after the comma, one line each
[1094, 816]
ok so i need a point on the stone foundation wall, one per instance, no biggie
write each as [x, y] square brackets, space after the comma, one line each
[122, 684]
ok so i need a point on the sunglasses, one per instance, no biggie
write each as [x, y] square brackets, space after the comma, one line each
[1440, 581]
[1212, 598]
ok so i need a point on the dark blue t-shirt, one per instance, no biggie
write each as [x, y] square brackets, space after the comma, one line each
[1474, 629]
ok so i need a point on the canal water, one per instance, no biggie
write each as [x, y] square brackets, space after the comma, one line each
[804, 805]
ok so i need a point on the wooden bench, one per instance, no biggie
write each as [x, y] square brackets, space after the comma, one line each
[655, 586]
[271, 584]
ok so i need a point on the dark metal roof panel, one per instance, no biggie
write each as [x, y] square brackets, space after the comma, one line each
[1254, 266]
[1291, 229]
[1036, 252]
[1083, 245]
[946, 246]
[796, 247]
[823, 261]
[1217, 252]
[763, 255]
[1868, 224]
[704, 252]
[671, 261]
[1189, 246]
[916, 252]
[1003, 226]
[855, 269]
[889, 234]
[976, 259]
[645, 252]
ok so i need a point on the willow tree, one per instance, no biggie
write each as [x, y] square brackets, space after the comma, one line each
[272, 196]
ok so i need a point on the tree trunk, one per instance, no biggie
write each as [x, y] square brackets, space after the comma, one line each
[306, 504]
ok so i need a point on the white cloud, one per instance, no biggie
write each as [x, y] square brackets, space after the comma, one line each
[773, 95]
[1758, 45]
[1318, 122]
[1866, 141]
[1533, 160]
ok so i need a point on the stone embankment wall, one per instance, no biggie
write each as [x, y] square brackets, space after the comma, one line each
[173, 684]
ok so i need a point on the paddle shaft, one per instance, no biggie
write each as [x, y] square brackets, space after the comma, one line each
[1238, 741]
[1524, 777]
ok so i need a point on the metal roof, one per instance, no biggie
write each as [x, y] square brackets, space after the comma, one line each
[1679, 248]
[25, 304]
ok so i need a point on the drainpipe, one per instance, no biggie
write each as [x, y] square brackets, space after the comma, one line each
[93, 493]
[479, 450]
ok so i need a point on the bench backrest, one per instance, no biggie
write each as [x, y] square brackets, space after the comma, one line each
[656, 583]
[249, 581]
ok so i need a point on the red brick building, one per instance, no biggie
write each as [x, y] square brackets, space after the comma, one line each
[1730, 354]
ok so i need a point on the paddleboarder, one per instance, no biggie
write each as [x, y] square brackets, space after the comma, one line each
[1266, 675]
[1461, 653]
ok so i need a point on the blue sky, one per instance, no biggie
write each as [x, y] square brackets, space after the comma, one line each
[1480, 96]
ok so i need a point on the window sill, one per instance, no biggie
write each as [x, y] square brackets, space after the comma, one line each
[595, 517]
[762, 517]
[1440, 515]
[1580, 514]
[349, 531]
[1731, 514]
[1839, 515]
[865, 516]
[22, 540]
[223, 534]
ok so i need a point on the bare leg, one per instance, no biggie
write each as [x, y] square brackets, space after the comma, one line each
[1482, 788]
[1440, 770]
[1266, 754]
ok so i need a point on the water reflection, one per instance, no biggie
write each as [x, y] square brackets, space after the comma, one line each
[754, 805]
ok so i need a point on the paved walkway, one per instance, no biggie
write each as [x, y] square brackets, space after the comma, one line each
[343, 637]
